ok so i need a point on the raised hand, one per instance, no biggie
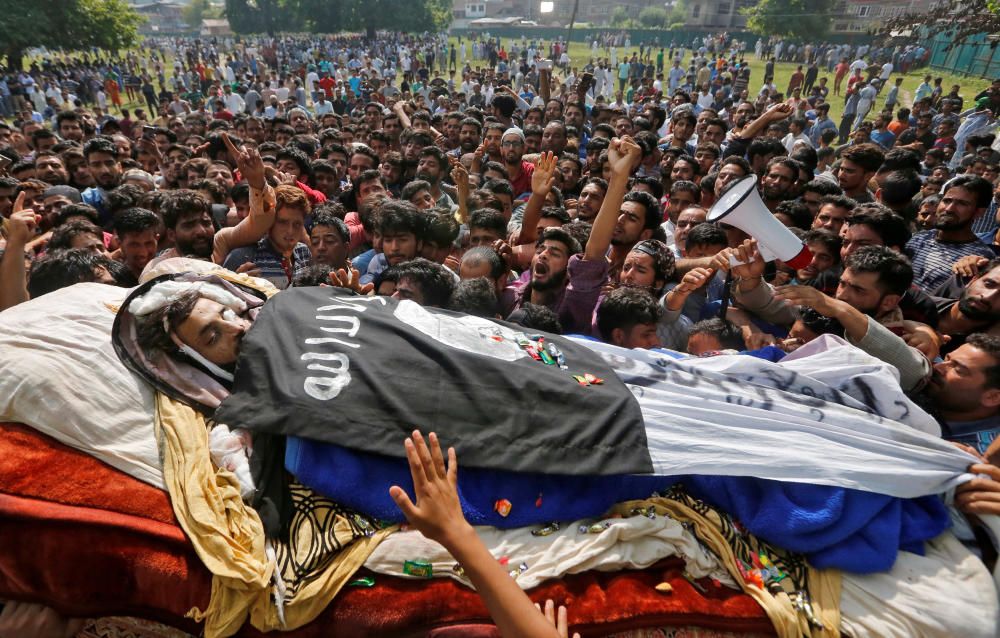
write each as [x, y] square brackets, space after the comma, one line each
[351, 280]
[750, 263]
[435, 511]
[20, 227]
[623, 155]
[779, 112]
[544, 175]
[249, 163]
[505, 252]
[460, 177]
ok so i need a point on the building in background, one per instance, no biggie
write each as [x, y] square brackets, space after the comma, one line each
[862, 16]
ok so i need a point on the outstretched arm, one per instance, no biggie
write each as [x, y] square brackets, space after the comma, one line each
[541, 184]
[623, 155]
[437, 514]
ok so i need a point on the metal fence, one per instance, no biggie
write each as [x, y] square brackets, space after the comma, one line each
[977, 57]
[657, 37]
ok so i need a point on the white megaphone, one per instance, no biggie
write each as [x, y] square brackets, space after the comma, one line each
[741, 206]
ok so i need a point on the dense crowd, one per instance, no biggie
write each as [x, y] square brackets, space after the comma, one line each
[503, 179]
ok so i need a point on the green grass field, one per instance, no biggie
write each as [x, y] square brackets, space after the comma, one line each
[580, 54]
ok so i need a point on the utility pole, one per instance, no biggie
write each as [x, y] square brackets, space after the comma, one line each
[572, 19]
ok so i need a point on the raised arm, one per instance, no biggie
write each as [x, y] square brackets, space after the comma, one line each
[399, 108]
[437, 514]
[261, 217]
[541, 184]
[18, 230]
[623, 156]
[776, 113]
[460, 175]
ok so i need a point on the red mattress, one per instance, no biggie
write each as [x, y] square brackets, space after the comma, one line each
[89, 540]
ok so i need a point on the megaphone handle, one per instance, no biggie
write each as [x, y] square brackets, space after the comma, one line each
[727, 292]
[765, 254]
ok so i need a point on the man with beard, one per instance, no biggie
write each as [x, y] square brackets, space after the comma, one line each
[858, 164]
[173, 166]
[50, 169]
[187, 216]
[512, 149]
[101, 156]
[254, 129]
[964, 390]
[976, 309]
[554, 137]
[413, 142]
[874, 280]
[779, 178]
[566, 282]
[432, 166]
[933, 252]
[469, 137]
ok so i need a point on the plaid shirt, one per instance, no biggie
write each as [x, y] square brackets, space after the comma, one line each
[273, 266]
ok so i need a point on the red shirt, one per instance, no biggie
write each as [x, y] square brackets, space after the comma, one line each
[523, 183]
[328, 84]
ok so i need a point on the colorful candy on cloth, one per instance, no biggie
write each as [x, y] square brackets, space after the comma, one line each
[503, 507]
[549, 529]
[364, 581]
[418, 568]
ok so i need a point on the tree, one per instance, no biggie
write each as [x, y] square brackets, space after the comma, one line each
[678, 15]
[801, 19]
[197, 11]
[959, 19]
[65, 24]
[265, 16]
[395, 15]
[654, 18]
[619, 18]
[324, 16]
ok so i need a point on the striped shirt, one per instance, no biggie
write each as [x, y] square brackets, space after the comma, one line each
[274, 267]
[933, 259]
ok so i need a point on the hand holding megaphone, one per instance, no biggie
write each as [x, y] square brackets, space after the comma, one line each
[741, 206]
[746, 260]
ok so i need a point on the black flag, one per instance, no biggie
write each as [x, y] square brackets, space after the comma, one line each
[363, 372]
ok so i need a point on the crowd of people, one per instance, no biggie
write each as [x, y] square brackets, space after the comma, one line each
[502, 179]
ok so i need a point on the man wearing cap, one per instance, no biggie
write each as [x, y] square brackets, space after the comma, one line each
[512, 149]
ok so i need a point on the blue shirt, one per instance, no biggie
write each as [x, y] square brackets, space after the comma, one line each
[95, 196]
[885, 139]
[978, 434]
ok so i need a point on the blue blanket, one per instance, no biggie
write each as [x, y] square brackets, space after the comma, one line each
[834, 527]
